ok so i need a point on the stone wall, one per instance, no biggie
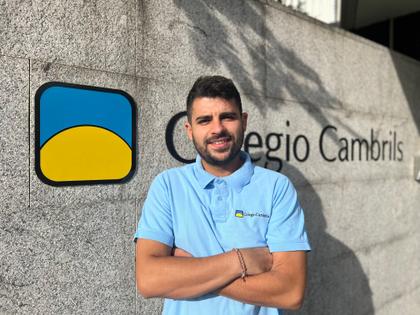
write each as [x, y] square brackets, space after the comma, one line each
[69, 250]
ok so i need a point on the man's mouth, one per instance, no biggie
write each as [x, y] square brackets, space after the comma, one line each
[219, 143]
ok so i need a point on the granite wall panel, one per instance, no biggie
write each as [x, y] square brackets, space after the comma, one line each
[95, 34]
[70, 260]
[184, 39]
[14, 130]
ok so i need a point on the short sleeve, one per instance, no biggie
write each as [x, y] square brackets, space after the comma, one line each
[156, 219]
[286, 228]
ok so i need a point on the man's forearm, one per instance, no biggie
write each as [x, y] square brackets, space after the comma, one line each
[185, 277]
[265, 289]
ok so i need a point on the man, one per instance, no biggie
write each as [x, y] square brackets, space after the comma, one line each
[221, 236]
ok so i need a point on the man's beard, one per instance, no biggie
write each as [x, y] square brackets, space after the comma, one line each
[235, 149]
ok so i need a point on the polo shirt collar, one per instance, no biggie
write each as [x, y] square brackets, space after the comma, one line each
[236, 180]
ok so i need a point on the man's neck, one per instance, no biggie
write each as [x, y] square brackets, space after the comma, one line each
[223, 170]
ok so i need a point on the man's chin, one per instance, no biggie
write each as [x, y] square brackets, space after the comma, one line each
[223, 155]
[221, 159]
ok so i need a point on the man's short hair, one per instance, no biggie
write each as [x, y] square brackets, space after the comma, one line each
[213, 86]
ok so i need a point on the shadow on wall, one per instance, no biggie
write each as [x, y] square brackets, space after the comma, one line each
[409, 77]
[275, 70]
[337, 283]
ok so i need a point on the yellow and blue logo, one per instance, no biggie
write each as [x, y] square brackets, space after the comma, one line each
[239, 214]
[84, 135]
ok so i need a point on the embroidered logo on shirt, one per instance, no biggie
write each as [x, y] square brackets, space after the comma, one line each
[241, 214]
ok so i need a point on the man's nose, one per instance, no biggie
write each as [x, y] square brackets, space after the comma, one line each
[217, 126]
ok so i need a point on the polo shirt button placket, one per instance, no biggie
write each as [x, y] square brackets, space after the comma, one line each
[220, 193]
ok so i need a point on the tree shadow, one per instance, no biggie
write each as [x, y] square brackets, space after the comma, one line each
[337, 283]
[273, 71]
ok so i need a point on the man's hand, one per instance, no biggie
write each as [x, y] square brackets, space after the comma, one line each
[282, 287]
[257, 260]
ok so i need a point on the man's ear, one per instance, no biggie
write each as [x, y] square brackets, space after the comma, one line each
[188, 129]
[244, 120]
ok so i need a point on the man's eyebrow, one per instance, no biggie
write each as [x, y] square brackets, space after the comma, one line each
[223, 114]
[230, 114]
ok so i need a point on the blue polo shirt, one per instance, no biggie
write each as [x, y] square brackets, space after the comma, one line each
[206, 215]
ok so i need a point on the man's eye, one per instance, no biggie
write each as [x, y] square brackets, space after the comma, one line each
[203, 121]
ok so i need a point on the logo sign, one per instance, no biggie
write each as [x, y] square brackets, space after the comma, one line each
[84, 134]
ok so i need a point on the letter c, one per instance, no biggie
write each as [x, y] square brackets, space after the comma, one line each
[321, 148]
[169, 137]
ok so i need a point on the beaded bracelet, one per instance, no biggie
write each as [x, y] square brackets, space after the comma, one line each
[242, 262]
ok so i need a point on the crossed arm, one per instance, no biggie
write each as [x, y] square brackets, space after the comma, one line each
[276, 280]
